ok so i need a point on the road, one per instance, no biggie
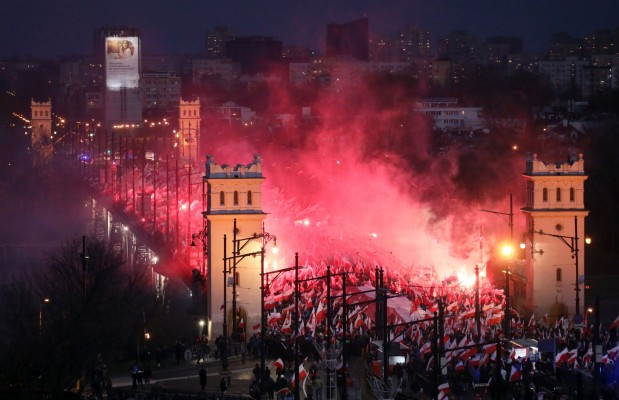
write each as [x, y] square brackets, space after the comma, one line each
[184, 376]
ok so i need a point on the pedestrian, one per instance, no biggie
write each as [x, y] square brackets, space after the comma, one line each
[223, 385]
[134, 375]
[202, 375]
[148, 374]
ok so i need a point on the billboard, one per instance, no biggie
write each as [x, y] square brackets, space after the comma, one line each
[122, 62]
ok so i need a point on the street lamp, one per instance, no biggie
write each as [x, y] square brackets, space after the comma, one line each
[239, 245]
[45, 301]
[572, 244]
[508, 253]
[477, 307]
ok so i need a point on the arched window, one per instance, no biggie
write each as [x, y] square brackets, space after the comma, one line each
[249, 198]
[558, 274]
[545, 195]
[236, 198]
[558, 194]
[572, 195]
[222, 198]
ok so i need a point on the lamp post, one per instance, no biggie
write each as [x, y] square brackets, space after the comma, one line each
[238, 245]
[508, 252]
[510, 214]
[45, 301]
[199, 302]
[84, 259]
[572, 243]
[477, 308]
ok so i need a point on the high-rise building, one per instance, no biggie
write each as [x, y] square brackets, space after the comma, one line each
[413, 43]
[349, 40]
[216, 42]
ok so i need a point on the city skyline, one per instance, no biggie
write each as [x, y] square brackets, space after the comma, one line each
[46, 29]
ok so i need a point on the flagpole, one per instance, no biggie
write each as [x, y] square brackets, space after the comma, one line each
[296, 327]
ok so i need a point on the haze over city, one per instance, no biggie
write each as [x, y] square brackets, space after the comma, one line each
[48, 28]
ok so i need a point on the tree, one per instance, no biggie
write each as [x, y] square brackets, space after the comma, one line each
[92, 311]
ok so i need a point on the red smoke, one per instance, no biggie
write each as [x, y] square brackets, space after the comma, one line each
[358, 179]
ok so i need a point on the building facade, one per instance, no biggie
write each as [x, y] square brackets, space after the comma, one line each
[234, 200]
[555, 219]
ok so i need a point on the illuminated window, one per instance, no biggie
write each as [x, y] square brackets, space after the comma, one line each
[236, 198]
[545, 195]
[558, 194]
[222, 198]
[558, 274]
[249, 198]
[572, 195]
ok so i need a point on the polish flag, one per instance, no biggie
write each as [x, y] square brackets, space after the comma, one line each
[562, 356]
[613, 353]
[287, 326]
[443, 391]
[425, 348]
[615, 323]
[273, 318]
[321, 312]
[571, 359]
[302, 375]
[490, 348]
[516, 372]
[278, 364]
[256, 327]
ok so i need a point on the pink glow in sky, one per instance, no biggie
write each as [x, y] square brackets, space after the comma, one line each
[361, 184]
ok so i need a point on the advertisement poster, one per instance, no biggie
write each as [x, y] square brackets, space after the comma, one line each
[122, 62]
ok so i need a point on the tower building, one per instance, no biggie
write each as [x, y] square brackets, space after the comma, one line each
[555, 219]
[41, 139]
[189, 130]
[233, 199]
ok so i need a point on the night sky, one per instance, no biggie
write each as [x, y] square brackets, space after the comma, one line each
[46, 28]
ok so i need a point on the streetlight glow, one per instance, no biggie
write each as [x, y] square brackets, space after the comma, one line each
[507, 250]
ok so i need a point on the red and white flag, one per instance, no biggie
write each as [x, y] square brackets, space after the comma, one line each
[443, 391]
[302, 375]
[278, 364]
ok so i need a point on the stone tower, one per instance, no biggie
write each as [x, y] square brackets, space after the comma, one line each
[233, 193]
[41, 139]
[555, 217]
[189, 130]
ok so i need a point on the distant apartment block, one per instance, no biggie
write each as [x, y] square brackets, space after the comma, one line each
[448, 116]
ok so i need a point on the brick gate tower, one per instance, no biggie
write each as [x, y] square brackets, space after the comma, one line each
[233, 195]
[555, 217]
